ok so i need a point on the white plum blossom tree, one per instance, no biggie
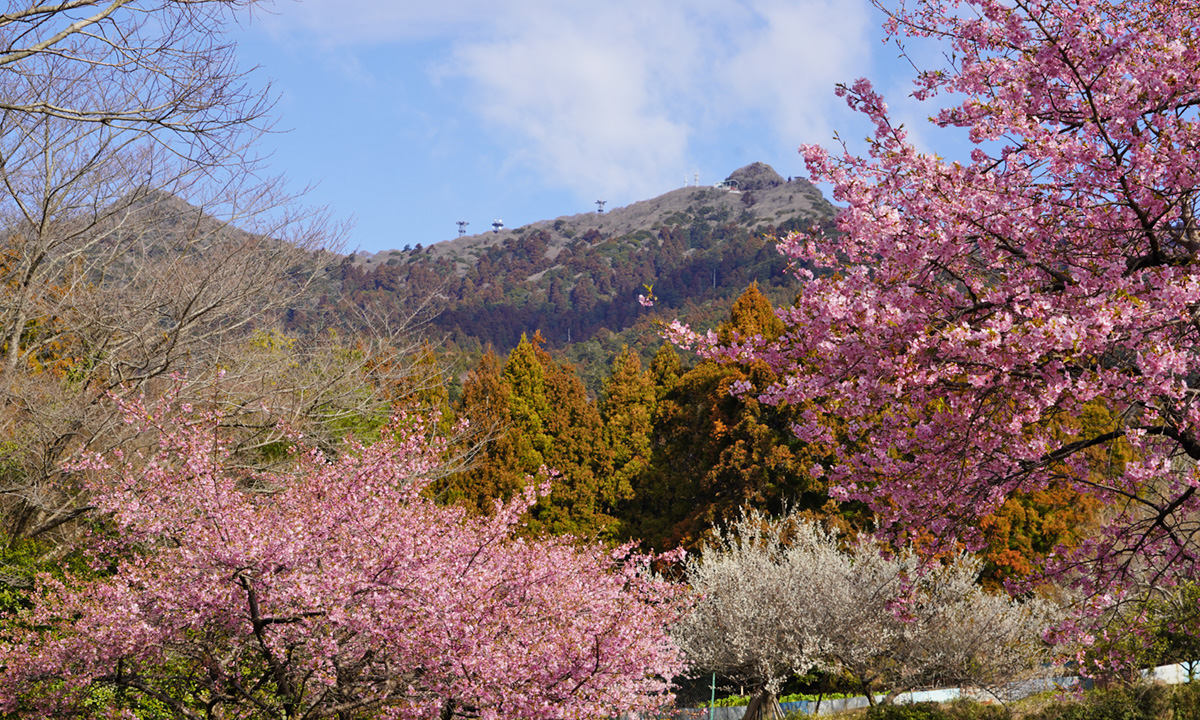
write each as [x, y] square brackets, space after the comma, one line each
[778, 596]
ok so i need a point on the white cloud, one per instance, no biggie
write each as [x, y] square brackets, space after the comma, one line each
[615, 97]
[787, 61]
[618, 99]
[589, 96]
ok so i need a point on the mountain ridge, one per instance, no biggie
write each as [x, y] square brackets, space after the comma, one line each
[575, 279]
[761, 198]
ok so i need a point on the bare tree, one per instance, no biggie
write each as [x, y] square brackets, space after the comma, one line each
[113, 298]
[777, 597]
[149, 67]
[111, 114]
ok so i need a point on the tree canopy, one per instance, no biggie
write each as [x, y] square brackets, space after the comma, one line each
[966, 312]
[332, 589]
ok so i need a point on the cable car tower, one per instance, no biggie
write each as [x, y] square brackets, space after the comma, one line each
[600, 205]
[497, 226]
[462, 227]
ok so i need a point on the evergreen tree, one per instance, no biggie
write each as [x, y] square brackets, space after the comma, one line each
[627, 408]
[665, 369]
[751, 315]
[496, 471]
[525, 390]
[538, 415]
[583, 496]
[715, 451]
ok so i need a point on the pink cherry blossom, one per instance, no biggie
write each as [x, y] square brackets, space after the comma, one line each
[963, 311]
[334, 588]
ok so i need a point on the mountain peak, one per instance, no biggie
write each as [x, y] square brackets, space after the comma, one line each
[754, 177]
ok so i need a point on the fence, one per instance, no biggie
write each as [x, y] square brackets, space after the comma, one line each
[1167, 674]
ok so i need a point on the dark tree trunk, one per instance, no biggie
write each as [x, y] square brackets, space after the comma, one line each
[763, 706]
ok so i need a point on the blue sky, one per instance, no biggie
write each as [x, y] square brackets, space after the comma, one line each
[407, 116]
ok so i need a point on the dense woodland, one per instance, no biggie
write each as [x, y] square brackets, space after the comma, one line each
[650, 442]
[666, 452]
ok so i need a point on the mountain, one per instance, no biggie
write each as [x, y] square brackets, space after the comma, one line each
[754, 196]
[578, 276]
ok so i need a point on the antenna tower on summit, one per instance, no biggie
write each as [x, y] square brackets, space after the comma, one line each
[600, 205]
[462, 227]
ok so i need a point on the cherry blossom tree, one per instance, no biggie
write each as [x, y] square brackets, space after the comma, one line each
[966, 313]
[331, 590]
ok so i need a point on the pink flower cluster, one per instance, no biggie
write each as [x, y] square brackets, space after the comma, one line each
[337, 586]
[965, 313]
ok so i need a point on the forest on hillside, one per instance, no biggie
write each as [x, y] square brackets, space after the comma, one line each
[577, 279]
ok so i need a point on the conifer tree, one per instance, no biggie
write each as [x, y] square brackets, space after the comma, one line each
[715, 451]
[627, 408]
[525, 390]
[585, 492]
[496, 471]
[538, 415]
[751, 316]
[665, 369]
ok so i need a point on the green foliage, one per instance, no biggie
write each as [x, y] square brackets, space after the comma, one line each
[23, 559]
[10, 462]
[751, 315]
[537, 413]
[1173, 616]
[627, 409]
[957, 710]
[107, 701]
[497, 471]
[1161, 628]
[525, 389]
[731, 701]
[18, 565]
[1185, 701]
[915, 711]
[743, 700]
[582, 499]
[965, 709]
[1137, 703]
[661, 455]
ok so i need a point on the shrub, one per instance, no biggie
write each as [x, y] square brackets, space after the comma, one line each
[1185, 701]
[1138, 703]
[957, 710]
[915, 711]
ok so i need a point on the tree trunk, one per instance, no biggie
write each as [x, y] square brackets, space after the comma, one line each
[866, 686]
[764, 706]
